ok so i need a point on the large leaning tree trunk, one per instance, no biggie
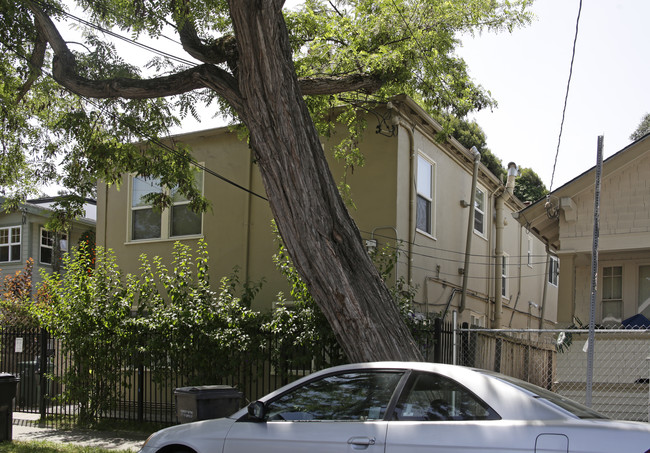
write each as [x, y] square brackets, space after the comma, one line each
[321, 237]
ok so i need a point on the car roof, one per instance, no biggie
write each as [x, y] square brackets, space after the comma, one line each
[510, 402]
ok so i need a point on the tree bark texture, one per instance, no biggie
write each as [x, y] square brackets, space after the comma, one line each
[321, 237]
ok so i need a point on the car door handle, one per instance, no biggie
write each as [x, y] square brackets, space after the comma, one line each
[361, 441]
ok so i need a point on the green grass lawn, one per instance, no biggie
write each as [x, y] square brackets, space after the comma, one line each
[49, 447]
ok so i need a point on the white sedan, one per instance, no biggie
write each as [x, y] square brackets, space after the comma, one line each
[392, 407]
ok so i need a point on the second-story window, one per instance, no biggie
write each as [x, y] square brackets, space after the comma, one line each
[148, 222]
[184, 221]
[553, 271]
[479, 212]
[425, 195]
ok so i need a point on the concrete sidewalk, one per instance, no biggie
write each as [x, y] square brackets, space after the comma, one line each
[26, 428]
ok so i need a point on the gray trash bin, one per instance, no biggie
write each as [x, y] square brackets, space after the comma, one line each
[204, 402]
[8, 384]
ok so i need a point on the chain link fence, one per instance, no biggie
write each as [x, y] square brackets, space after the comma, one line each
[557, 360]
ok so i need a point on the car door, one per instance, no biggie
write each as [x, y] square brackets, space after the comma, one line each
[437, 414]
[336, 413]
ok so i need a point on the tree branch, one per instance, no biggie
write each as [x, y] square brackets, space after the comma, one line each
[35, 64]
[335, 85]
[222, 50]
[64, 71]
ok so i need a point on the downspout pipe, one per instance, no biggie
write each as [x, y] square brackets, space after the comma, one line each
[498, 244]
[470, 227]
[412, 197]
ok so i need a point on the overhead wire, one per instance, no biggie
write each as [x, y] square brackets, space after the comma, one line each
[439, 257]
[474, 277]
[144, 135]
[566, 97]
[131, 41]
[206, 169]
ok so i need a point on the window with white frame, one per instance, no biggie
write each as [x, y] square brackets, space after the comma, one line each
[479, 212]
[529, 258]
[425, 194]
[48, 240]
[477, 320]
[148, 222]
[553, 271]
[644, 291]
[612, 300]
[184, 221]
[10, 238]
[504, 276]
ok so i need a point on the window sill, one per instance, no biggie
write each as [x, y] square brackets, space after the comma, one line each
[424, 233]
[164, 240]
[481, 235]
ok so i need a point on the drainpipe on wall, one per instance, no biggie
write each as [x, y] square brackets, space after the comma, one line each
[498, 244]
[470, 227]
[412, 192]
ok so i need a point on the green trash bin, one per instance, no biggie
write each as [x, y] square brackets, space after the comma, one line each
[8, 383]
[205, 402]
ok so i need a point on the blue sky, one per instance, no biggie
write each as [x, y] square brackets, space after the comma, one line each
[527, 73]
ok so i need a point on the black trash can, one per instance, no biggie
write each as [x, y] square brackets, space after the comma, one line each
[206, 402]
[8, 383]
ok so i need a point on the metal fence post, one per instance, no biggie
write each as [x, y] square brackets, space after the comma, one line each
[454, 353]
[594, 275]
[437, 340]
[648, 361]
[43, 365]
[140, 369]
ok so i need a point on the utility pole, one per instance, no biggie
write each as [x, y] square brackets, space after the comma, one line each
[594, 275]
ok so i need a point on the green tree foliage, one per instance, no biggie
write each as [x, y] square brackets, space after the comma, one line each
[469, 134]
[300, 326]
[256, 62]
[342, 51]
[180, 324]
[529, 186]
[90, 314]
[642, 129]
[16, 299]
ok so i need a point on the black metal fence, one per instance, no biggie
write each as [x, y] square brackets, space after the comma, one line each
[140, 393]
[145, 393]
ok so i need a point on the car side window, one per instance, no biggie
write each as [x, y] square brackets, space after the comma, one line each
[352, 396]
[431, 397]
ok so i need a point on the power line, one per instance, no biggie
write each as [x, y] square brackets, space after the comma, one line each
[566, 96]
[453, 252]
[129, 40]
[148, 137]
[475, 277]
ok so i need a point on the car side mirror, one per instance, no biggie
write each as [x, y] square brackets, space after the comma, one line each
[257, 410]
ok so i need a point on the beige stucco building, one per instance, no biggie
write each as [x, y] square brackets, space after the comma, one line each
[412, 193]
[566, 224]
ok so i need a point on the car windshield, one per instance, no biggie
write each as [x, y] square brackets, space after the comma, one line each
[571, 406]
